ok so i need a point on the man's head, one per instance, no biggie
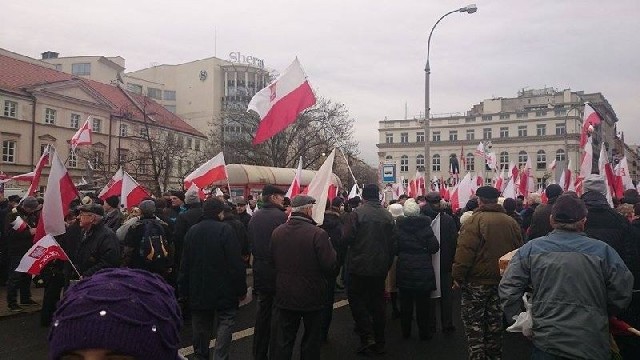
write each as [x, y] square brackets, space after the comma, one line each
[402, 198]
[14, 200]
[147, 208]
[568, 213]
[177, 198]
[273, 194]
[433, 199]
[122, 311]
[303, 204]
[30, 204]
[487, 195]
[553, 191]
[111, 203]
[630, 196]
[509, 205]
[596, 183]
[90, 215]
[213, 208]
[534, 199]
[337, 204]
[411, 208]
[371, 192]
[241, 205]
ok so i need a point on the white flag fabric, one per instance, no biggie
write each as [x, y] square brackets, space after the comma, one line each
[208, 173]
[319, 187]
[113, 187]
[435, 258]
[82, 136]
[132, 192]
[294, 188]
[40, 254]
[510, 190]
[587, 159]
[355, 191]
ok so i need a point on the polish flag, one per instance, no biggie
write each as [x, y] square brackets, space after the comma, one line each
[332, 193]
[605, 169]
[197, 190]
[113, 187]
[622, 170]
[543, 195]
[587, 159]
[57, 199]
[294, 188]
[319, 187]
[208, 173]
[526, 179]
[82, 136]
[40, 254]
[132, 192]
[19, 224]
[553, 165]
[566, 178]
[280, 103]
[35, 181]
[513, 172]
[480, 150]
[461, 193]
[499, 182]
[510, 190]
[590, 120]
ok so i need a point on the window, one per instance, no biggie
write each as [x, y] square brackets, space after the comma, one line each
[404, 163]
[388, 158]
[142, 167]
[49, 116]
[541, 160]
[559, 112]
[58, 67]
[540, 183]
[504, 116]
[389, 138]
[405, 183]
[522, 130]
[486, 133]
[503, 160]
[73, 159]
[135, 88]
[404, 137]
[541, 113]
[96, 125]
[124, 130]
[560, 155]
[561, 129]
[197, 142]
[169, 95]
[122, 157]
[435, 162]
[420, 161]
[471, 134]
[144, 133]
[75, 121]
[486, 117]
[435, 136]
[81, 69]
[470, 162]
[98, 159]
[10, 108]
[420, 136]
[189, 143]
[171, 108]
[154, 93]
[453, 135]
[541, 129]
[8, 151]
[470, 119]
[522, 115]
[522, 158]
[504, 132]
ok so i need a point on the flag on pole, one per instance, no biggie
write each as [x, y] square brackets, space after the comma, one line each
[435, 258]
[35, 181]
[19, 224]
[132, 192]
[280, 103]
[82, 136]
[319, 187]
[40, 254]
[604, 167]
[510, 189]
[480, 149]
[57, 199]
[462, 193]
[587, 159]
[355, 191]
[590, 120]
[526, 179]
[208, 173]
[113, 187]
[294, 188]
[195, 189]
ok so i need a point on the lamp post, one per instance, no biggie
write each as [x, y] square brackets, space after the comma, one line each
[470, 9]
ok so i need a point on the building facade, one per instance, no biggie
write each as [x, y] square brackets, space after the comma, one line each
[542, 125]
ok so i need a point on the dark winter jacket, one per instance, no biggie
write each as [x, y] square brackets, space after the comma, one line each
[132, 257]
[527, 215]
[244, 217]
[303, 258]
[416, 243]
[540, 225]
[212, 274]
[113, 219]
[240, 231]
[185, 221]
[333, 225]
[20, 241]
[261, 226]
[98, 249]
[448, 236]
[368, 231]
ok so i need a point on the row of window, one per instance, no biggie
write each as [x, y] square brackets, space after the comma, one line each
[519, 115]
[469, 160]
[470, 134]
[153, 93]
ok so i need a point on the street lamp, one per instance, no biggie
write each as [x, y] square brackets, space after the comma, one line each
[470, 9]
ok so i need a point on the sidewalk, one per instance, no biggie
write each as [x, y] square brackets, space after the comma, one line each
[36, 294]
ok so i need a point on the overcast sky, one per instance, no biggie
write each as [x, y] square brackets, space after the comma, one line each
[368, 54]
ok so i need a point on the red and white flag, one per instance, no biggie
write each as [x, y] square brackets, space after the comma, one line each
[132, 192]
[480, 149]
[35, 181]
[40, 254]
[194, 189]
[19, 224]
[319, 187]
[605, 169]
[57, 199]
[462, 193]
[586, 163]
[622, 171]
[82, 136]
[294, 188]
[280, 103]
[510, 189]
[590, 120]
[208, 173]
[566, 179]
[113, 187]
[527, 182]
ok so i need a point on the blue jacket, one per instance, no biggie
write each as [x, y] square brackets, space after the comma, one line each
[576, 281]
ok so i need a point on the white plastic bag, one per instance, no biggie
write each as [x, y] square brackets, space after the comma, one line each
[524, 321]
[248, 298]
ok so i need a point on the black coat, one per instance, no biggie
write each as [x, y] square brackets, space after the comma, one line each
[416, 243]
[332, 224]
[244, 217]
[185, 221]
[448, 237]
[540, 224]
[262, 224]
[240, 231]
[98, 249]
[212, 274]
[19, 242]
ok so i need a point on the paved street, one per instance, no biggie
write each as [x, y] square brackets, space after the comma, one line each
[22, 338]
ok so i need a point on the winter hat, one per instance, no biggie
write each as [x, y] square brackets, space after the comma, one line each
[509, 205]
[433, 197]
[127, 311]
[113, 201]
[269, 190]
[191, 197]
[178, 194]
[212, 207]
[371, 192]
[553, 191]
[92, 208]
[396, 210]
[30, 203]
[630, 196]
[411, 208]
[337, 202]
[147, 207]
[595, 182]
[568, 209]
[488, 192]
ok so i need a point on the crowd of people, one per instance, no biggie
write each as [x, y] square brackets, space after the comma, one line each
[139, 274]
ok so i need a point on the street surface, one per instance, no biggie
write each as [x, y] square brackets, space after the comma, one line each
[22, 338]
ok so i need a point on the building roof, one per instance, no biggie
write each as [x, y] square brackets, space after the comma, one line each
[19, 76]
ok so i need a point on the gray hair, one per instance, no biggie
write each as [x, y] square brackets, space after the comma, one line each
[573, 227]
[299, 208]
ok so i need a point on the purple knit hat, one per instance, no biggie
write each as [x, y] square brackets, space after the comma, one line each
[129, 311]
